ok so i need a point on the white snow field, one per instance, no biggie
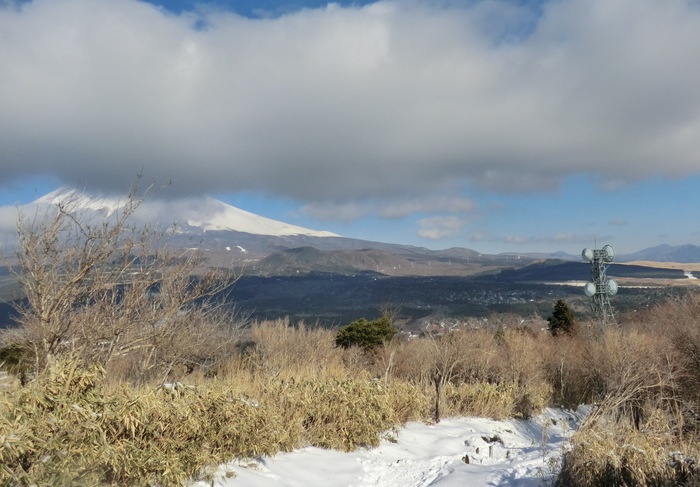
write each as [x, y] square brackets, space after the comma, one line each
[500, 453]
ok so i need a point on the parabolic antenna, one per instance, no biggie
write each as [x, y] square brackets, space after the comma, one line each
[589, 289]
[608, 253]
[587, 254]
[612, 287]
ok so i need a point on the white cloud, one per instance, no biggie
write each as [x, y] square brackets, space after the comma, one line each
[558, 238]
[620, 222]
[343, 104]
[345, 212]
[8, 220]
[436, 204]
[517, 239]
[440, 227]
[395, 208]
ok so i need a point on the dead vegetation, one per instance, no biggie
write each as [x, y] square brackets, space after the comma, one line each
[291, 386]
[644, 380]
[107, 291]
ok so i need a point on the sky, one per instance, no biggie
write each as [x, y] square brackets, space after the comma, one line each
[496, 125]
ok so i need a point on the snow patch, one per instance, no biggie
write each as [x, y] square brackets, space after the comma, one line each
[221, 216]
[76, 200]
[454, 453]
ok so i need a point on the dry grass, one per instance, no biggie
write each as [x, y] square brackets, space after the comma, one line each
[614, 452]
[70, 426]
[290, 387]
[64, 429]
[284, 351]
[481, 399]
[644, 429]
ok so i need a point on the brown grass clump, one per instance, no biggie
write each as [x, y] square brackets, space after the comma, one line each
[481, 399]
[342, 414]
[644, 428]
[65, 431]
[67, 428]
[617, 453]
[283, 351]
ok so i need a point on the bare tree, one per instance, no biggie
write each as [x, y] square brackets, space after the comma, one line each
[391, 311]
[104, 289]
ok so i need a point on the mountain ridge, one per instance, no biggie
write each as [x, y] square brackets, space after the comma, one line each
[211, 223]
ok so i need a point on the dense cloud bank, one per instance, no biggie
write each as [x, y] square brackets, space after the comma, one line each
[339, 104]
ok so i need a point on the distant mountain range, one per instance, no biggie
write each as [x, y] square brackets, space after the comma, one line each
[305, 274]
[666, 253]
[234, 237]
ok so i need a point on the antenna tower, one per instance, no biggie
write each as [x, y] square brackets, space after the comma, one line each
[600, 287]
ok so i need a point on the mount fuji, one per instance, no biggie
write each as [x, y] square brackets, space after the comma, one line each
[233, 237]
[194, 215]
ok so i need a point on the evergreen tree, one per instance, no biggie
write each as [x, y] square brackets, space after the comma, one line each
[562, 319]
[365, 334]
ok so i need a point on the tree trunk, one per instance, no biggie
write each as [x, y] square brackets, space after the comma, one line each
[438, 391]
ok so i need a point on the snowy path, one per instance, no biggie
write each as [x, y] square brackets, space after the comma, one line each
[499, 453]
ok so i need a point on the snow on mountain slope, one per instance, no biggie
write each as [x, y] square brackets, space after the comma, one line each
[205, 214]
[221, 216]
[80, 201]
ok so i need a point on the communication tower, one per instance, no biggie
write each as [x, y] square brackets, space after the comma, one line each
[600, 287]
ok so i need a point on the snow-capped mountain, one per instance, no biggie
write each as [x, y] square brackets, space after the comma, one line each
[218, 215]
[192, 215]
[79, 201]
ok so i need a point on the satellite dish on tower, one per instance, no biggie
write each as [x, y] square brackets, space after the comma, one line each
[587, 254]
[589, 289]
[608, 253]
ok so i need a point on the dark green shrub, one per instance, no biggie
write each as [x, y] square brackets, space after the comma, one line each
[562, 320]
[365, 334]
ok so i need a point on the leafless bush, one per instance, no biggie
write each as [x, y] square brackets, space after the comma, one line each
[679, 321]
[105, 290]
[628, 370]
[462, 366]
[641, 431]
[522, 364]
[566, 366]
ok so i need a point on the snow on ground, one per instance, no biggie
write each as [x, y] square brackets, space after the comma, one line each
[499, 453]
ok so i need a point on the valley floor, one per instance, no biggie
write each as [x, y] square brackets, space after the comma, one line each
[499, 453]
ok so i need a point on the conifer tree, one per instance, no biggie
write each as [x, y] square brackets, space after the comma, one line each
[562, 320]
[365, 334]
